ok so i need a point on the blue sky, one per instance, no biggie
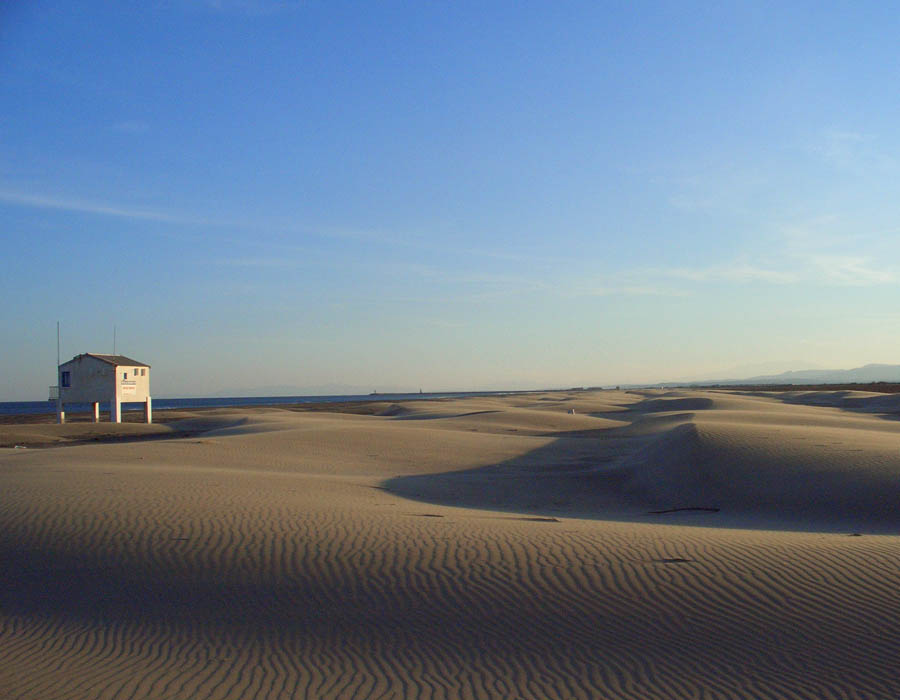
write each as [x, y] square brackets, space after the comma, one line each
[447, 195]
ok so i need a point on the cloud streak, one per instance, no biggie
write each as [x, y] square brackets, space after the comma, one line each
[852, 151]
[852, 270]
[37, 201]
[811, 252]
[274, 228]
[833, 270]
[816, 252]
[734, 272]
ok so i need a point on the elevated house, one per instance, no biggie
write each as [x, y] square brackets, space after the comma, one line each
[92, 378]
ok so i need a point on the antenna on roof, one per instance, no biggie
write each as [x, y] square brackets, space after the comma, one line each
[114, 339]
[60, 415]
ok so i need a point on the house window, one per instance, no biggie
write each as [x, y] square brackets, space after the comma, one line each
[124, 375]
[65, 379]
[143, 373]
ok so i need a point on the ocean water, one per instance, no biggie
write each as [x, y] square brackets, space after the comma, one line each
[39, 407]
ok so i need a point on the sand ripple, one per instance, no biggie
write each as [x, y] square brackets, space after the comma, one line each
[239, 566]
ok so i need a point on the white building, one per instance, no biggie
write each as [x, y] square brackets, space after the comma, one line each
[92, 378]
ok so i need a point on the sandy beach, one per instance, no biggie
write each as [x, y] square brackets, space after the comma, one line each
[603, 544]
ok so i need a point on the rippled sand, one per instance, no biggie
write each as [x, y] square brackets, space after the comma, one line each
[650, 545]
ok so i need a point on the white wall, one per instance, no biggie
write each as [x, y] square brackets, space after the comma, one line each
[132, 385]
[92, 380]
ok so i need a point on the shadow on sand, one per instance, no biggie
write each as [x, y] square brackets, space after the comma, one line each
[661, 468]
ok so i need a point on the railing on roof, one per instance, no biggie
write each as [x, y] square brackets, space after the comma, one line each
[54, 393]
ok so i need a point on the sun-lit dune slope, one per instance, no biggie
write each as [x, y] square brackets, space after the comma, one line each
[791, 461]
[277, 555]
[785, 462]
[497, 416]
[855, 400]
[812, 475]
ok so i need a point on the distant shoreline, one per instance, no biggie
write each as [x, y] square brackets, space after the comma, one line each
[164, 412]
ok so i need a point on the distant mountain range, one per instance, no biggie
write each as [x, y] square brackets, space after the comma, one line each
[858, 375]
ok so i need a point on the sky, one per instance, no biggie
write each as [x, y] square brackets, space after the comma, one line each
[326, 195]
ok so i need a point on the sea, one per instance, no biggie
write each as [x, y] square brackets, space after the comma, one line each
[18, 408]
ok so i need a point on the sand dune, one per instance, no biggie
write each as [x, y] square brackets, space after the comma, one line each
[490, 547]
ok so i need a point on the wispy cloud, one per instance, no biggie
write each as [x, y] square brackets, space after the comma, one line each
[819, 251]
[87, 207]
[853, 270]
[613, 289]
[843, 270]
[279, 233]
[734, 272]
[271, 234]
[822, 251]
[829, 251]
[851, 150]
